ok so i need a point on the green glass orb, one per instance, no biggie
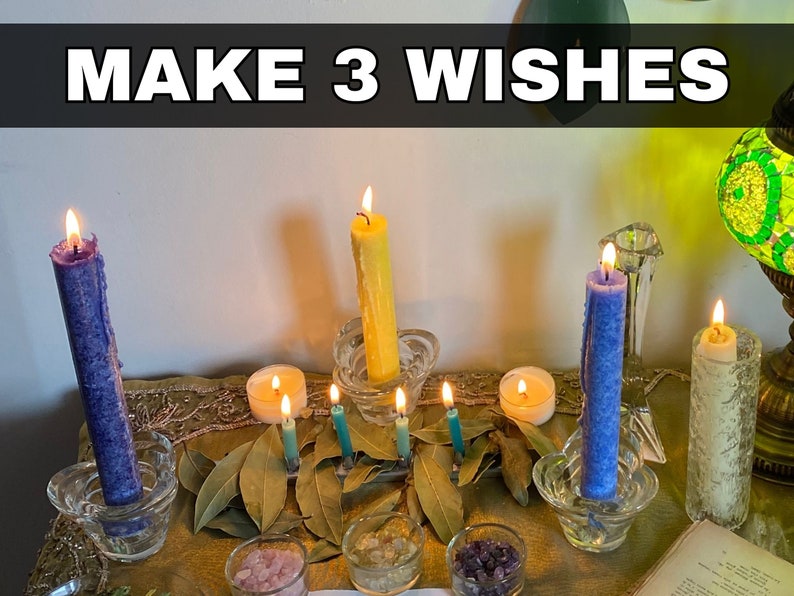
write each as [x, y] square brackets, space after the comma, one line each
[755, 193]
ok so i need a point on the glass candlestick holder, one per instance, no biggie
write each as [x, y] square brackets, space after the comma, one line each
[592, 525]
[723, 401]
[418, 355]
[638, 251]
[127, 532]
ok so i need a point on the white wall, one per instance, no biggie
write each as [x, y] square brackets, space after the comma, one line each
[228, 249]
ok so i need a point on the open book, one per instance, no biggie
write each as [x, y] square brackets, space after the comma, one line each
[710, 560]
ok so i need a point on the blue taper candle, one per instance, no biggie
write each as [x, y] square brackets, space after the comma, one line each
[401, 424]
[80, 276]
[601, 377]
[288, 436]
[340, 423]
[453, 420]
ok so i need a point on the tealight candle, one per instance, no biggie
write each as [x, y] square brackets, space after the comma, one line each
[528, 393]
[401, 424]
[453, 420]
[288, 435]
[266, 387]
[340, 423]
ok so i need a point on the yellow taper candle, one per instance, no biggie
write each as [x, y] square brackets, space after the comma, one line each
[369, 236]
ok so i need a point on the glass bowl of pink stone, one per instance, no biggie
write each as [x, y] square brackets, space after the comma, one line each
[383, 552]
[268, 564]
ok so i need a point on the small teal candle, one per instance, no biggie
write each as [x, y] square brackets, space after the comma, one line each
[340, 423]
[289, 437]
[453, 420]
[401, 424]
[601, 378]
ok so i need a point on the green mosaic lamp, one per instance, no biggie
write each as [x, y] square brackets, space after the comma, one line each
[755, 193]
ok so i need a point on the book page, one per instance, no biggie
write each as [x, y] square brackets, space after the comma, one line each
[708, 560]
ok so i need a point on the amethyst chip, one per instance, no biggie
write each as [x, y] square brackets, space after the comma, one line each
[486, 561]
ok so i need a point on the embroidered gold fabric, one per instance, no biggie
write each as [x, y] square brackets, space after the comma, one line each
[213, 416]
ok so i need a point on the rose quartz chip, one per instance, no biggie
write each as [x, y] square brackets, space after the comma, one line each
[267, 569]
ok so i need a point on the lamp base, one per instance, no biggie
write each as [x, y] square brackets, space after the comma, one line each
[774, 434]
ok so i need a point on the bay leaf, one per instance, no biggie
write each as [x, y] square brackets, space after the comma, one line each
[220, 487]
[489, 460]
[194, 467]
[324, 550]
[365, 470]
[263, 479]
[319, 497]
[540, 442]
[415, 420]
[473, 458]
[307, 431]
[440, 500]
[516, 466]
[327, 443]
[443, 455]
[414, 507]
[372, 439]
[285, 522]
[235, 522]
[385, 503]
[438, 432]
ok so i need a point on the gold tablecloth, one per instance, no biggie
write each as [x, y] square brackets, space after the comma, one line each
[213, 417]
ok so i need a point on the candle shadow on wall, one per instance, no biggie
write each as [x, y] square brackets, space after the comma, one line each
[316, 316]
[520, 246]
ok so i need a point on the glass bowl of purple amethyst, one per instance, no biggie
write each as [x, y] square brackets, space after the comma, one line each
[486, 560]
[268, 564]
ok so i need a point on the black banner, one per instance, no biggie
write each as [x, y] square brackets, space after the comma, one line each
[171, 75]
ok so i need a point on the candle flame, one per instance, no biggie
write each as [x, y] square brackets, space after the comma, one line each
[400, 401]
[446, 393]
[286, 407]
[718, 316]
[275, 383]
[608, 257]
[334, 394]
[72, 229]
[522, 387]
[366, 201]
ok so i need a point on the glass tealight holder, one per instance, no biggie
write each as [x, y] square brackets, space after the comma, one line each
[595, 525]
[486, 560]
[268, 564]
[384, 553]
[418, 354]
[127, 532]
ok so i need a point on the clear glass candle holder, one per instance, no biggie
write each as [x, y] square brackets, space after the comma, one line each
[268, 564]
[723, 401]
[592, 525]
[418, 355]
[486, 560]
[384, 553]
[126, 532]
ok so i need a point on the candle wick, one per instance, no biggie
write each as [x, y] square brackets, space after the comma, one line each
[606, 274]
[524, 395]
[75, 248]
[364, 215]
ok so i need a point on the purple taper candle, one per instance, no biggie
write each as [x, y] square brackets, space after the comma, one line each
[80, 277]
[601, 377]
